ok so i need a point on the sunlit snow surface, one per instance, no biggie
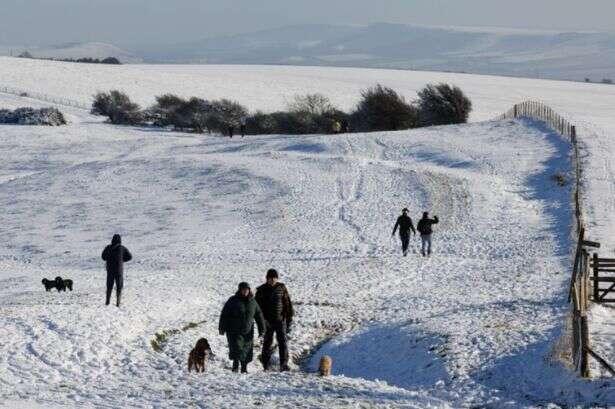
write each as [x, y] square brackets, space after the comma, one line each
[475, 324]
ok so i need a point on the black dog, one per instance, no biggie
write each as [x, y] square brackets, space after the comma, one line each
[58, 283]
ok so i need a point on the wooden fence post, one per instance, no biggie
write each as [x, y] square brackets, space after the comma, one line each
[596, 287]
[584, 347]
[515, 111]
[573, 134]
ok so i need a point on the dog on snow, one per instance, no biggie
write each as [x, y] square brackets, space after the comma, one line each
[198, 355]
[58, 283]
[324, 369]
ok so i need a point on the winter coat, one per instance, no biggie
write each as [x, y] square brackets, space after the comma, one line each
[424, 226]
[405, 225]
[237, 322]
[275, 302]
[116, 255]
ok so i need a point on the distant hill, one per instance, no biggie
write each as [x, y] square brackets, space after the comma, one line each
[527, 53]
[75, 51]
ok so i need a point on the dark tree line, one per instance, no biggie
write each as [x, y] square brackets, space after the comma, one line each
[87, 60]
[379, 109]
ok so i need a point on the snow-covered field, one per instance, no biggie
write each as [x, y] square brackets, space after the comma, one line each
[475, 325]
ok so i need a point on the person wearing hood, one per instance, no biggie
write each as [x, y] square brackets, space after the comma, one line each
[237, 323]
[115, 256]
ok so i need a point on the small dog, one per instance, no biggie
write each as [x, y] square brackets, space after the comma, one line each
[59, 283]
[197, 356]
[324, 369]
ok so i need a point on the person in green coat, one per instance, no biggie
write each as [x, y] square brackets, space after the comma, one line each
[237, 322]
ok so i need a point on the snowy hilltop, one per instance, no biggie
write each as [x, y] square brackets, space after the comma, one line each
[477, 324]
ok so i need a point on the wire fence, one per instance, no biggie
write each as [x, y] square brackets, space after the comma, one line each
[45, 97]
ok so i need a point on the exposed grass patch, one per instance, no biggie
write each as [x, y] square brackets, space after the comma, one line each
[161, 338]
[560, 179]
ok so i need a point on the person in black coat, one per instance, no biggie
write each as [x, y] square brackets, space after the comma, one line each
[404, 223]
[424, 227]
[277, 308]
[115, 255]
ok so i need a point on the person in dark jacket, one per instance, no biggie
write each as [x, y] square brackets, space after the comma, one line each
[237, 322]
[424, 227]
[404, 223]
[115, 255]
[274, 300]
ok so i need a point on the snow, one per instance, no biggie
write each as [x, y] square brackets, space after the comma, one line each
[474, 325]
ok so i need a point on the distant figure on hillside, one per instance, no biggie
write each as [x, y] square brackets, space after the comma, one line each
[115, 255]
[336, 126]
[274, 301]
[237, 322]
[404, 222]
[424, 227]
[230, 130]
[345, 126]
[242, 126]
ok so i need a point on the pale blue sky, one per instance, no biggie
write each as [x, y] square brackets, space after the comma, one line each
[149, 21]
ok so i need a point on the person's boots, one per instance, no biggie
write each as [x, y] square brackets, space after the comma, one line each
[119, 298]
[265, 364]
[235, 365]
[284, 368]
[244, 367]
[108, 300]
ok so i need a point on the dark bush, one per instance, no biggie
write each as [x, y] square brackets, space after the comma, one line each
[443, 104]
[31, 116]
[294, 123]
[261, 124]
[118, 107]
[314, 104]
[166, 110]
[382, 109]
[110, 60]
[192, 114]
[223, 114]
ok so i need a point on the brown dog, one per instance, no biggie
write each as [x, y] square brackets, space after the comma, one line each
[198, 355]
[324, 369]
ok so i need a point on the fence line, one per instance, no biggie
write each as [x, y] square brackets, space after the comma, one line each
[579, 290]
[45, 97]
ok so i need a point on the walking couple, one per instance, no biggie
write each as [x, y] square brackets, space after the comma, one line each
[272, 311]
[405, 225]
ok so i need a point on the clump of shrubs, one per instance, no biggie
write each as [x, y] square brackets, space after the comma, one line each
[380, 109]
[196, 114]
[118, 107]
[31, 116]
[443, 104]
[306, 114]
[383, 109]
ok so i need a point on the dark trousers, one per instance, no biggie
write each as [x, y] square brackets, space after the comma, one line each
[118, 280]
[279, 328]
[405, 241]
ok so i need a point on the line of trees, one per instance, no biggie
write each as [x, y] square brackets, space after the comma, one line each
[379, 109]
[87, 60]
